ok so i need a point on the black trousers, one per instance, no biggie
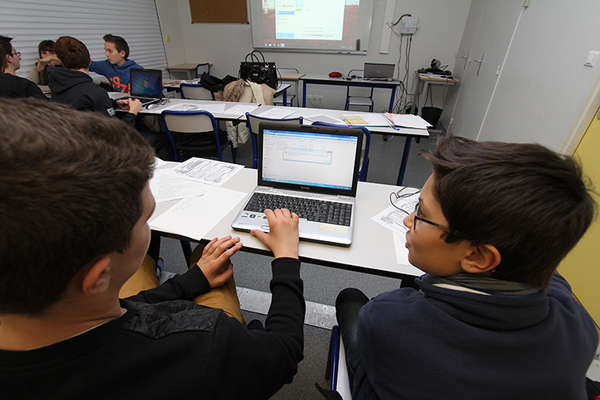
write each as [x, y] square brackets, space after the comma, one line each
[347, 306]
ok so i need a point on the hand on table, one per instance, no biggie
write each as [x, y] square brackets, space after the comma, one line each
[282, 238]
[133, 106]
[215, 263]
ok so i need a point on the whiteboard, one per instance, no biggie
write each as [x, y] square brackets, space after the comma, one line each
[331, 26]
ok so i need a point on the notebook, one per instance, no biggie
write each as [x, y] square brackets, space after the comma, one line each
[312, 171]
[146, 85]
[381, 72]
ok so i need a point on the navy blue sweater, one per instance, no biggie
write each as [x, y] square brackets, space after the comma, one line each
[440, 343]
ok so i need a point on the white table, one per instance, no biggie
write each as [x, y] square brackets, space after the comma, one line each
[307, 114]
[372, 250]
[315, 79]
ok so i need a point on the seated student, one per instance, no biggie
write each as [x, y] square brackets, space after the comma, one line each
[116, 68]
[12, 85]
[490, 318]
[47, 57]
[75, 206]
[71, 84]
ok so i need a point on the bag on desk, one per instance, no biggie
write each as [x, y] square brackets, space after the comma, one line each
[256, 69]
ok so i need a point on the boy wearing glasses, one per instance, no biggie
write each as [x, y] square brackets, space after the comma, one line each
[490, 318]
[11, 85]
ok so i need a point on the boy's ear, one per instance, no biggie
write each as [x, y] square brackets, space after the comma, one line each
[482, 258]
[97, 278]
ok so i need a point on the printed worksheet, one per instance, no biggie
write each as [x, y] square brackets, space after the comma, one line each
[208, 171]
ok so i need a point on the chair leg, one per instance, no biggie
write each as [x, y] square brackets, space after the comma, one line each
[233, 153]
[187, 250]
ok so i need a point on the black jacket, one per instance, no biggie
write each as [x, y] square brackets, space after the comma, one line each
[15, 86]
[442, 343]
[167, 347]
[77, 89]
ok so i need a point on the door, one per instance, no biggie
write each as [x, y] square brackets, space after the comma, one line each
[581, 267]
[487, 34]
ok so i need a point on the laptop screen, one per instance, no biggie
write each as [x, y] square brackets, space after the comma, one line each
[315, 157]
[146, 82]
[376, 70]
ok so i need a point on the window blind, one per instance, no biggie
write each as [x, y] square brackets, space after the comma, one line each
[30, 21]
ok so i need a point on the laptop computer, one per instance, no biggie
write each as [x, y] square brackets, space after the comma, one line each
[379, 72]
[146, 85]
[312, 171]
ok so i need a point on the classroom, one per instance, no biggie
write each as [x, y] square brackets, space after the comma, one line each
[355, 121]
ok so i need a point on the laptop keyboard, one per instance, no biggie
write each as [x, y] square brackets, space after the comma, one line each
[311, 209]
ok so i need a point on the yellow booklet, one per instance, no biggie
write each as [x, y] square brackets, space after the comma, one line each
[354, 120]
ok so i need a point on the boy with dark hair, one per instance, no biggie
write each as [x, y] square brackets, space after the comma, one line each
[490, 318]
[74, 207]
[12, 85]
[71, 84]
[47, 57]
[116, 68]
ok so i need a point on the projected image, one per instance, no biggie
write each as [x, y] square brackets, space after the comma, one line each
[310, 23]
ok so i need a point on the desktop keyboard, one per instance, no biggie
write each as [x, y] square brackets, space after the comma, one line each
[311, 209]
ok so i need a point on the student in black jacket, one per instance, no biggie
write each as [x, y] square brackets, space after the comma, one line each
[490, 318]
[64, 333]
[71, 83]
[12, 85]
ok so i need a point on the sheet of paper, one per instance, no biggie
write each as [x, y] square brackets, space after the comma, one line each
[241, 109]
[393, 218]
[213, 108]
[167, 185]
[325, 118]
[408, 121]
[159, 163]
[194, 217]
[208, 171]
[370, 119]
[401, 250]
[276, 112]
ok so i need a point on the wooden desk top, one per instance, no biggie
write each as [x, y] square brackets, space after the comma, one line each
[437, 78]
[291, 77]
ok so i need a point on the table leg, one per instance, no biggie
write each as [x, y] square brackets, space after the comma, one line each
[391, 107]
[303, 93]
[404, 161]
[285, 97]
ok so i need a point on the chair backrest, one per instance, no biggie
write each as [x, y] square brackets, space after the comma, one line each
[202, 68]
[201, 122]
[195, 92]
[364, 159]
[254, 120]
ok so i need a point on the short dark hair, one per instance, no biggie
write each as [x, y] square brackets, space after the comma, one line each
[528, 201]
[5, 50]
[71, 193]
[119, 43]
[72, 52]
[46, 45]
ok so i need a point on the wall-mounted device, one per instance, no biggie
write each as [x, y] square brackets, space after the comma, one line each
[408, 25]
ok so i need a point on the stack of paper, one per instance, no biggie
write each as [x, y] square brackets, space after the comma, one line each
[408, 121]
[207, 171]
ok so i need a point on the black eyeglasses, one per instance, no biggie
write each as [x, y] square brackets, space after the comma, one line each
[397, 196]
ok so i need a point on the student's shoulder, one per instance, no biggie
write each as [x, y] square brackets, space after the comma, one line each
[162, 319]
[100, 66]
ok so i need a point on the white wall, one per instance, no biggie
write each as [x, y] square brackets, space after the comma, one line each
[543, 87]
[441, 25]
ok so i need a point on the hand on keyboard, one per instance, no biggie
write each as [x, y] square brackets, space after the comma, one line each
[282, 238]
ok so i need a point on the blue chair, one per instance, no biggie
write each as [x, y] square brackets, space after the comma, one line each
[202, 68]
[337, 370]
[187, 122]
[364, 163]
[253, 122]
[195, 91]
[358, 101]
